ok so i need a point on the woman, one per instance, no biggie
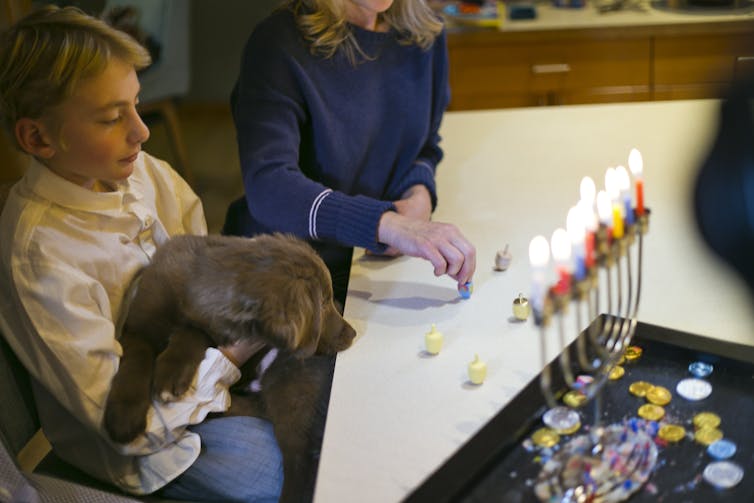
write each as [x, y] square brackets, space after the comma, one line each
[337, 110]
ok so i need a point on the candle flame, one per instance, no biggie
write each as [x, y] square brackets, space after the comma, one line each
[611, 183]
[604, 207]
[621, 175]
[575, 225]
[587, 190]
[560, 245]
[635, 162]
[539, 251]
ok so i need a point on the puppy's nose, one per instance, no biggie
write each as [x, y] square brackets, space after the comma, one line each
[348, 331]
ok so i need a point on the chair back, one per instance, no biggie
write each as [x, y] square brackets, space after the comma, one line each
[18, 414]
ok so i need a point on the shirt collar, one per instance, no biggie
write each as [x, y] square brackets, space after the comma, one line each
[52, 187]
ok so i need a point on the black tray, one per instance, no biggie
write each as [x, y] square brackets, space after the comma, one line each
[494, 466]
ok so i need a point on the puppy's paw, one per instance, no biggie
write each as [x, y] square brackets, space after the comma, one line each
[172, 378]
[125, 419]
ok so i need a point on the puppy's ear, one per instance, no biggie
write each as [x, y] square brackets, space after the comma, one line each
[291, 318]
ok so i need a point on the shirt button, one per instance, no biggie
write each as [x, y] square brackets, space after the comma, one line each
[124, 239]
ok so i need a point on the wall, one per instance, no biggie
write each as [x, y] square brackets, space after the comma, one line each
[219, 30]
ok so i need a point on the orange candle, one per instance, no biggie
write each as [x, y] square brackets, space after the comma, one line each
[636, 165]
[639, 196]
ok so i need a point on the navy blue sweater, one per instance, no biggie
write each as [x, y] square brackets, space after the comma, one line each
[326, 145]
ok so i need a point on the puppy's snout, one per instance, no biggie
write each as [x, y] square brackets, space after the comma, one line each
[347, 334]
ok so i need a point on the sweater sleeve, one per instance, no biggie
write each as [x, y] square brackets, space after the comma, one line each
[269, 111]
[422, 171]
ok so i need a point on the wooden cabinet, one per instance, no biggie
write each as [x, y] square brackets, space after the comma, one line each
[492, 69]
[699, 65]
[526, 70]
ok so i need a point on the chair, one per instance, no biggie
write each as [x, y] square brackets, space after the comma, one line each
[30, 471]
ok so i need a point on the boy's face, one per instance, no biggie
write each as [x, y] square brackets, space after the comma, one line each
[100, 133]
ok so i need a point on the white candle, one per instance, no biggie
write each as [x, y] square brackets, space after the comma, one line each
[560, 245]
[539, 257]
[577, 233]
[624, 185]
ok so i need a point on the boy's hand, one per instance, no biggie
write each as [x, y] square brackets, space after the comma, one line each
[240, 352]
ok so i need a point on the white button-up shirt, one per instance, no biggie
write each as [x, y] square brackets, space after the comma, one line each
[67, 258]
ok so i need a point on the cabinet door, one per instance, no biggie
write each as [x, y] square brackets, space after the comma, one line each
[548, 72]
[700, 66]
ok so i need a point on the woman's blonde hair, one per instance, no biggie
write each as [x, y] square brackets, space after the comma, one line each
[323, 24]
[47, 53]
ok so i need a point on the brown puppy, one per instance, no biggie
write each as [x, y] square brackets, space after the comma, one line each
[202, 291]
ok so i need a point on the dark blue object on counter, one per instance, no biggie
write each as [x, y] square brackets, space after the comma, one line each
[522, 11]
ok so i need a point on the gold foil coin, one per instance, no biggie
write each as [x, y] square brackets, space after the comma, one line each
[570, 431]
[707, 436]
[545, 437]
[640, 388]
[706, 420]
[671, 432]
[651, 412]
[658, 395]
[632, 353]
[574, 399]
[616, 373]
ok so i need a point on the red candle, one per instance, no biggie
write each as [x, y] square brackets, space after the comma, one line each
[639, 196]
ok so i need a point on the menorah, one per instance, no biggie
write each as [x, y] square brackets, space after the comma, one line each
[599, 265]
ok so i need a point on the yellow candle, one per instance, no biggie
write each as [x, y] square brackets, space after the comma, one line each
[617, 222]
[477, 370]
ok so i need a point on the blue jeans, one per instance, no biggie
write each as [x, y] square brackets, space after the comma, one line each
[240, 461]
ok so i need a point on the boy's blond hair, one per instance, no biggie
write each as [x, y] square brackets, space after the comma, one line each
[46, 54]
[323, 23]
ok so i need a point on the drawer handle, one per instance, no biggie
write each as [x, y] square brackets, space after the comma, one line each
[555, 68]
[744, 58]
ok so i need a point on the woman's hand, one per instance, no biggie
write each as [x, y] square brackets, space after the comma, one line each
[441, 244]
[416, 204]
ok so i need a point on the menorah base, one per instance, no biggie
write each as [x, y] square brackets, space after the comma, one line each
[605, 465]
[502, 463]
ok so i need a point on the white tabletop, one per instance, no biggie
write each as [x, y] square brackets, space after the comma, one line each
[395, 413]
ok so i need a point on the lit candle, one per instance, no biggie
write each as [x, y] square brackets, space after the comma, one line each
[636, 165]
[613, 190]
[539, 257]
[624, 185]
[605, 211]
[560, 245]
[477, 370]
[588, 191]
[576, 233]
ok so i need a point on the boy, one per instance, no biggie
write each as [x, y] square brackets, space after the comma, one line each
[86, 217]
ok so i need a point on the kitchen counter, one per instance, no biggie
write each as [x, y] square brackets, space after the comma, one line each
[636, 14]
[577, 55]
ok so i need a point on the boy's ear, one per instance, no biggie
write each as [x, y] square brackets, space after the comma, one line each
[33, 137]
